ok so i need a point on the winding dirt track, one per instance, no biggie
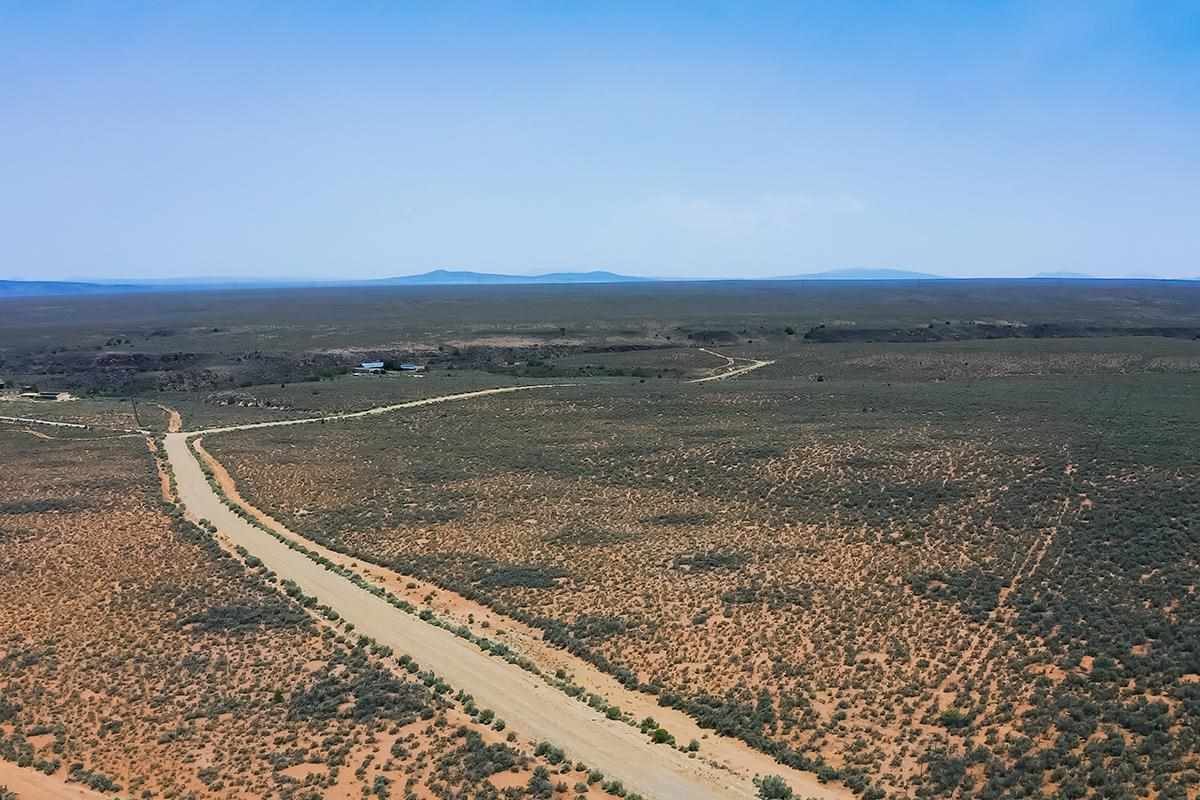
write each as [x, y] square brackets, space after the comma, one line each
[31, 421]
[731, 369]
[531, 706]
[538, 710]
[428, 401]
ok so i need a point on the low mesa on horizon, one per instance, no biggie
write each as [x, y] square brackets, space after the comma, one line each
[443, 277]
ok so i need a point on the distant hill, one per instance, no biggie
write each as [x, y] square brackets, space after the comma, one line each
[60, 288]
[446, 276]
[1071, 276]
[440, 277]
[862, 275]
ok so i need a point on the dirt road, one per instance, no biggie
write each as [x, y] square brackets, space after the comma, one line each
[29, 784]
[731, 370]
[384, 409]
[31, 421]
[174, 419]
[731, 756]
[530, 705]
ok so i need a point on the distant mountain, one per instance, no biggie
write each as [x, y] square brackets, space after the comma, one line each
[205, 282]
[862, 275]
[60, 288]
[1071, 276]
[458, 277]
[440, 277]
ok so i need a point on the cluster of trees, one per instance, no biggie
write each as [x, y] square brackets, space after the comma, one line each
[585, 535]
[710, 561]
[597, 626]
[92, 779]
[43, 505]
[530, 576]
[374, 694]
[474, 761]
[271, 612]
[975, 591]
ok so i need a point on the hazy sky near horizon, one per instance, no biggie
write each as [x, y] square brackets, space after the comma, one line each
[697, 139]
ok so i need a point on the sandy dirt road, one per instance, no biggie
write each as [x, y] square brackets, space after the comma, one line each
[32, 421]
[731, 368]
[174, 419]
[428, 401]
[728, 754]
[531, 707]
[29, 784]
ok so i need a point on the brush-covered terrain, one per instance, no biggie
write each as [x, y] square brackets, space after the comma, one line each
[940, 541]
[921, 569]
[139, 659]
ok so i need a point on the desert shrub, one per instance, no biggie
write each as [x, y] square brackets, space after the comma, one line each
[954, 719]
[550, 752]
[268, 614]
[740, 595]
[477, 760]
[92, 779]
[614, 787]
[772, 787]
[375, 694]
[530, 576]
[944, 771]
[679, 519]
[586, 535]
[8, 709]
[42, 506]
[710, 336]
[597, 626]
[710, 561]
[539, 784]
[975, 591]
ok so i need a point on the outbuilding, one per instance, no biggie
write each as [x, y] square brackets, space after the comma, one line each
[369, 368]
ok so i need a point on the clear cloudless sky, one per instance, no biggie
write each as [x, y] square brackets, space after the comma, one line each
[699, 139]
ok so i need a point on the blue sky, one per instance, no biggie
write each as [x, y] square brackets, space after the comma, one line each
[700, 139]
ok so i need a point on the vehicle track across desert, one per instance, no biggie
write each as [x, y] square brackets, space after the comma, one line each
[428, 401]
[730, 756]
[531, 706]
[731, 368]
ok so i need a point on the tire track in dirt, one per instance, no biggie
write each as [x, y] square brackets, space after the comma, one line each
[1029, 567]
[731, 370]
[381, 409]
[174, 418]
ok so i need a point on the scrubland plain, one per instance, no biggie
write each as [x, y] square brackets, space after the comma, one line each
[895, 581]
[943, 546]
[140, 659]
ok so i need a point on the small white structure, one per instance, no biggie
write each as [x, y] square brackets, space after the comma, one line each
[369, 368]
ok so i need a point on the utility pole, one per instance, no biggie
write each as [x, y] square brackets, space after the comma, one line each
[136, 422]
